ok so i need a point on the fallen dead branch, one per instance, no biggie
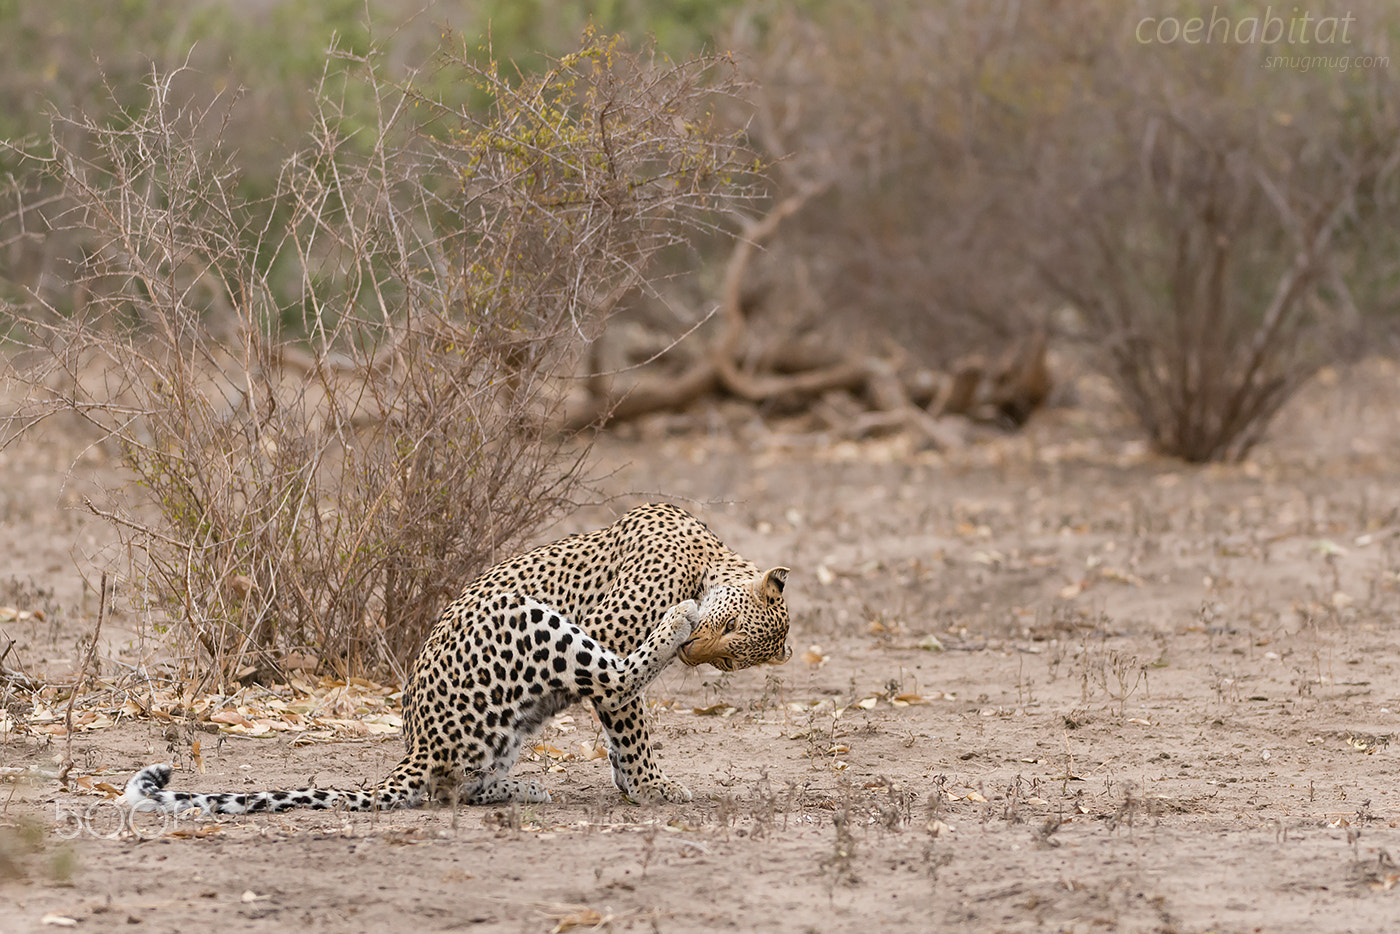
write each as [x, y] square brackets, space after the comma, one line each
[928, 404]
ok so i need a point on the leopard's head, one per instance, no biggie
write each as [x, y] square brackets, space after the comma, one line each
[742, 623]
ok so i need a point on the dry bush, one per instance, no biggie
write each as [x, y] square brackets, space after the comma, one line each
[336, 408]
[1198, 207]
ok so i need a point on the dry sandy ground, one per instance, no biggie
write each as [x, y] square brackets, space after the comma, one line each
[1049, 683]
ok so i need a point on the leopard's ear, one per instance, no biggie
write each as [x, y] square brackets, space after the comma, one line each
[770, 585]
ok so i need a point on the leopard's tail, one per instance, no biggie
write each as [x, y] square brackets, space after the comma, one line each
[146, 791]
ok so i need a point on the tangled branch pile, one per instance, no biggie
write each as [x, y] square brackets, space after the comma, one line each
[893, 395]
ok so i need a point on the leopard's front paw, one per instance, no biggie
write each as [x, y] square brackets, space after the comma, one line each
[682, 618]
[662, 791]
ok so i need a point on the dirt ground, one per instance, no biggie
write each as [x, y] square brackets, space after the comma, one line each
[1048, 683]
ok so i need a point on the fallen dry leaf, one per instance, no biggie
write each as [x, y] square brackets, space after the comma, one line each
[585, 918]
[1361, 745]
[1120, 576]
[383, 723]
[553, 752]
[252, 729]
[196, 833]
[930, 643]
[58, 920]
[715, 710]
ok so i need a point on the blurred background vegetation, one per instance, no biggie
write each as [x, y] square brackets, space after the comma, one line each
[944, 184]
[955, 146]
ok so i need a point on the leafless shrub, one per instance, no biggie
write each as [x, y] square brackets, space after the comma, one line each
[1197, 206]
[336, 407]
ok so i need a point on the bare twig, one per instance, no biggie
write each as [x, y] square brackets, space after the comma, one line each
[78, 685]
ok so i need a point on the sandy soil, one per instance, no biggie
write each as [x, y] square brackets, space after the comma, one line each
[1049, 683]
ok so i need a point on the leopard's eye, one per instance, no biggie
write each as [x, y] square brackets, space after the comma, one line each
[732, 625]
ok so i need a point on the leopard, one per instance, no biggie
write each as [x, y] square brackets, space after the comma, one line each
[594, 617]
